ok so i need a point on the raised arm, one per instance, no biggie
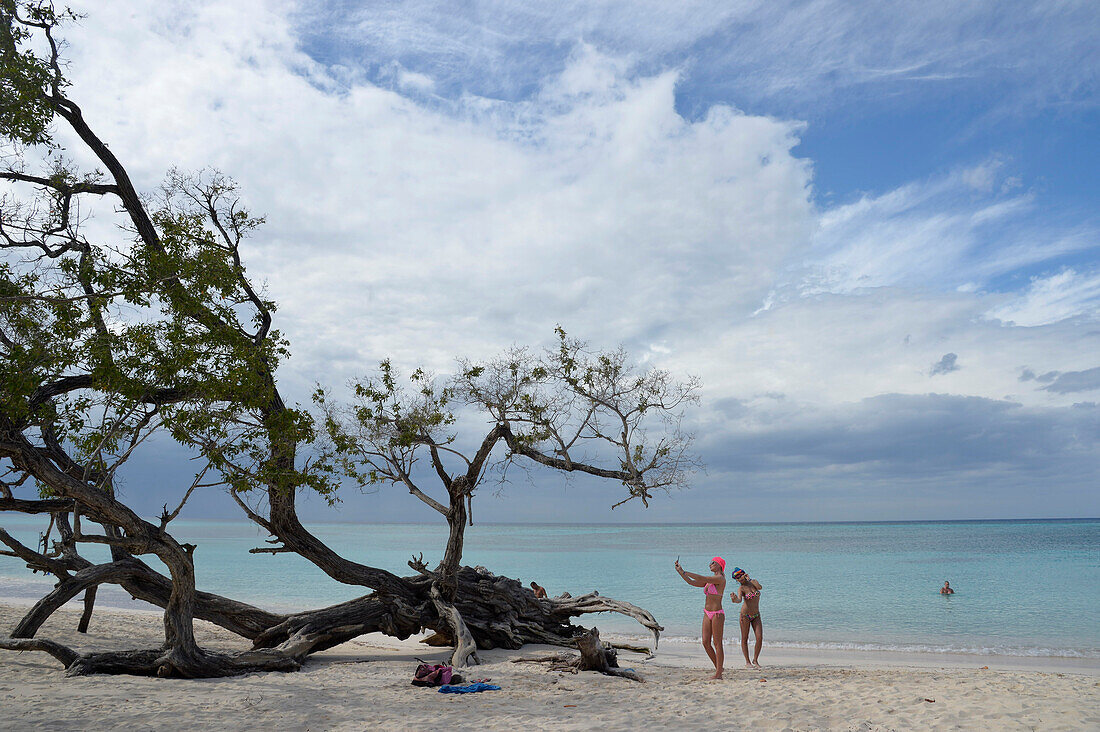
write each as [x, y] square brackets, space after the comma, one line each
[698, 580]
[736, 594]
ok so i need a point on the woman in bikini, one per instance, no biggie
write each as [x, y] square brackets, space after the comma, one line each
[714, 617]
[749, 592]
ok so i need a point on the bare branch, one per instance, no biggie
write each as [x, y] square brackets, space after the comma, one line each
[165, 516]
[64, 654]
[61, 185]
[270, 550]
[49, 505]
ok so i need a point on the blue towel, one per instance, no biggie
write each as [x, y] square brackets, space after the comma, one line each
[471, 689]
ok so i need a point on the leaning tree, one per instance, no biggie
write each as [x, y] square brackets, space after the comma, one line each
[569, 410]
[107, 341]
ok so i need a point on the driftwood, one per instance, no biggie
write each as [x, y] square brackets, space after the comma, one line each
[645, 650]
[594, 656]
[496, 612]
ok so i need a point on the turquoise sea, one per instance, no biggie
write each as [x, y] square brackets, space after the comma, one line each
[1028, 588]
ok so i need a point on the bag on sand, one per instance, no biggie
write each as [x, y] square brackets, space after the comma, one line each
[434, 674]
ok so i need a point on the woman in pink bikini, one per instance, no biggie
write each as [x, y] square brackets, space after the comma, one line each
[749, 592]
[714, 617]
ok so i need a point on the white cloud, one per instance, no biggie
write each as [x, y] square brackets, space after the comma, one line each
[418, 230]
[396, 229]
[831, 349]
[1053, 298]
[954, 231]
[825, 51]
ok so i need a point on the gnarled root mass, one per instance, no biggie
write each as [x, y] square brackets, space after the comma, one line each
[502, 613]
[494, 611]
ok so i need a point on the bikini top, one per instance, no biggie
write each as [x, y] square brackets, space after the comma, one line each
[751, 595]
[711, 590]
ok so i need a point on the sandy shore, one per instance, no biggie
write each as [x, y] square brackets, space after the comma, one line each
[365, 684]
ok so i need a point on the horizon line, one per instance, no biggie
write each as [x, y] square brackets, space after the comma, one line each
[683, 523]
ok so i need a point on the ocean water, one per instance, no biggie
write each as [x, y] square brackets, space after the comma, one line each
[1027, 588]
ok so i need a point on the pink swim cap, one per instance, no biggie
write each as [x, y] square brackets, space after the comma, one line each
[721, 563]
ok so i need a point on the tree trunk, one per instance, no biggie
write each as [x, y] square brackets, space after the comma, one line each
[456, 524]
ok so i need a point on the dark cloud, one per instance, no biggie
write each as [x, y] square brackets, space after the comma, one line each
[1029, 375]
[890, 456]
[895, 436]
[730, 407]
[945, 365]
[1074, 381]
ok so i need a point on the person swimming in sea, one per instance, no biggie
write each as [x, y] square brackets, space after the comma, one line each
[749, 594]
[714, 617]
[946, 589]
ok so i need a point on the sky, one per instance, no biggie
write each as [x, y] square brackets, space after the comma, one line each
[869, 229]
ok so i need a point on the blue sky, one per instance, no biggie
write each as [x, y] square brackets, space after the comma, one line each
[870, 229]
[890, 94]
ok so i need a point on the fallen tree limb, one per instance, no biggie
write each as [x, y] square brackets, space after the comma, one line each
[62, 653]
[594, 656]
[596, 603]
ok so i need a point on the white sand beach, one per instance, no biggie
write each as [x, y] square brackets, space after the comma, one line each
[364, 684]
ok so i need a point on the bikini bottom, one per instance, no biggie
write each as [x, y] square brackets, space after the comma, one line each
[712, 613]
[750, 618]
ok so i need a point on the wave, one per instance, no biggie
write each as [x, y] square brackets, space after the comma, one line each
[969, 650]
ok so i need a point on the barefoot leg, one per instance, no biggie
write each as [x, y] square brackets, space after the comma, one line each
[758, 630]
[745, 624]
[707, 635]
[718, 625]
